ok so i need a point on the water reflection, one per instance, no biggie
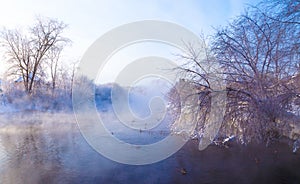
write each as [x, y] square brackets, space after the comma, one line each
[46, 148]
[53, 151]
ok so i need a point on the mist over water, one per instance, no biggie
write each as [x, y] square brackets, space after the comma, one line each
[48, 148]
[42, 147]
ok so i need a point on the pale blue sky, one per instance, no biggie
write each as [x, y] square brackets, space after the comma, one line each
[89, 19]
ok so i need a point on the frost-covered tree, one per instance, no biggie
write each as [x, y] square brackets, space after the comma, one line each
[27, 51]
[259, 53]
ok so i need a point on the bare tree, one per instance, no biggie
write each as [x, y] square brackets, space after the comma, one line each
[53, 62]
[284, 11]
[200, 82]
[65, 77]
[73, 70]
[27, 52]
[259, 54]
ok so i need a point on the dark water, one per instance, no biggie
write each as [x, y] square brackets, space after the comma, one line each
[50, 149]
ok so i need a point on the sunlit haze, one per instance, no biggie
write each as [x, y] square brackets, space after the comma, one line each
[88, 20]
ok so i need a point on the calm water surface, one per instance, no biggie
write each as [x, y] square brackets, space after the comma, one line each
[48, 148]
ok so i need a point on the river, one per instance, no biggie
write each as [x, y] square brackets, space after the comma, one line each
[48, 148]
